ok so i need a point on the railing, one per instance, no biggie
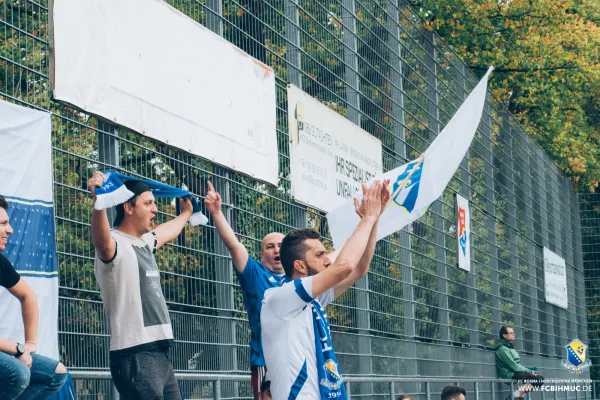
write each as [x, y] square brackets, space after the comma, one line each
[386, 387]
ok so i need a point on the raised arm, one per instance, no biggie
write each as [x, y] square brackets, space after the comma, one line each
[239, 253]
[170, 230]
[105, 245]
[365, 261]
[353, 250]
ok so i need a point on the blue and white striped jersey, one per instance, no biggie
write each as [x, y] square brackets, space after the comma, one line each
[297, 343]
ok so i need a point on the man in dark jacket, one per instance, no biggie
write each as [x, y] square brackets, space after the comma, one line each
[508, 362]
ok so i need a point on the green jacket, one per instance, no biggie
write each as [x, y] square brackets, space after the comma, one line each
[507, 360]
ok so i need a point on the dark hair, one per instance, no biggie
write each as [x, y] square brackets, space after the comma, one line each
[405, 397]
[137, 187]
[121, 210]
[504, 330]
[3, 202]
[293, 248]
[450, 391]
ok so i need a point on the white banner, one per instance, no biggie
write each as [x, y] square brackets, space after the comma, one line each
[414, 186]
[26, 176]
[146, 66]
[555, 279]
[463, 232]
[330, 156]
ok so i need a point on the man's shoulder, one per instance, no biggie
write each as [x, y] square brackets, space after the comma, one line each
[5, 262]
[3, 259]
[261, 270]
[502, 347]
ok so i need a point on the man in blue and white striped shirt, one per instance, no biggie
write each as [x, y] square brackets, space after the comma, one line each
[295, 331]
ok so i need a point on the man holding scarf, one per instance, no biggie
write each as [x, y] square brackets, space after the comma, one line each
[129, 279]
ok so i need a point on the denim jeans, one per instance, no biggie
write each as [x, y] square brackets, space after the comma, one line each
[36, 383]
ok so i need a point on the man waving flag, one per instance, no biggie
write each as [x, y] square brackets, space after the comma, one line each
[414, 186]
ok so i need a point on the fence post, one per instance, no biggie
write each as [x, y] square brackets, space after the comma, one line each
[400, 153]
[555, 199]
[530, 229]
[428, 390]
[351, 60]
[437, 208]
[493, 390]
[459, 69]
[214, 16]
[353, 98]
[392, 390]
[512, 262]
[476, 390]
[224, 282]
[108, 154]
[217, 390]
[293, 56]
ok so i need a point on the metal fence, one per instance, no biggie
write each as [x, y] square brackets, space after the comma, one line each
[416, 313]
[590, 232]
[202, 386]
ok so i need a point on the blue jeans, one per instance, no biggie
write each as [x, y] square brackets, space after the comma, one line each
[36, 383]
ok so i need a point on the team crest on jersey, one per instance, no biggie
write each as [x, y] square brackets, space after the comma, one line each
[333, 380]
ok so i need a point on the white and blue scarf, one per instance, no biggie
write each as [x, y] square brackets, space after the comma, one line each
[114, 192]
[331, 383]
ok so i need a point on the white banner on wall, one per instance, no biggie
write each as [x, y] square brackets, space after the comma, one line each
[26, 176]
[463, 232]
[330, 156]
[555, 279]
[163, 75]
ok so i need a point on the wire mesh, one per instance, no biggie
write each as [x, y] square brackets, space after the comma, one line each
[371, 61]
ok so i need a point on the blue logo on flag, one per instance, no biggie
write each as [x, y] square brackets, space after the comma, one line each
[407, 197]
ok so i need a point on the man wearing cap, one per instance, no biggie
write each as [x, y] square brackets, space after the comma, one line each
[255, 278]
[129, 279]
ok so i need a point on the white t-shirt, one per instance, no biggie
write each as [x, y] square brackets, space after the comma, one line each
[288, 339]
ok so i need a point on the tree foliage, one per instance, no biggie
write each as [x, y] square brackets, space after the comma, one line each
[547, 59]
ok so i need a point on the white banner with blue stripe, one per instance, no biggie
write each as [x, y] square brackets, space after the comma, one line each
[26, 182]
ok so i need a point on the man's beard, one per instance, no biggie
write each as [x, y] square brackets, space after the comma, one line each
[311, 271]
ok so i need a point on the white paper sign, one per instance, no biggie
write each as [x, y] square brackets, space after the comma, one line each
[330, 156]
[463, 232]
[555, 279]
[144, 65]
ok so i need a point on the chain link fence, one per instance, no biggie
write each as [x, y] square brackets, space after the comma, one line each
[416, 313]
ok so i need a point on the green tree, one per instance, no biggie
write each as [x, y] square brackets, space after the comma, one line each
[547, 59]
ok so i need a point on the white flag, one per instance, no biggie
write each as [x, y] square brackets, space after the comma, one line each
[420, 181]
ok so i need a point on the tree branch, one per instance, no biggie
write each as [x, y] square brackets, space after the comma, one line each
[499, 69]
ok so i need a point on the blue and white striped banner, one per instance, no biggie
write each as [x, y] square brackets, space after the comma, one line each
[26, 182]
